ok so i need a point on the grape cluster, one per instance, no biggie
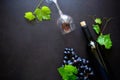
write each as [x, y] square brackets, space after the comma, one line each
[83, 66]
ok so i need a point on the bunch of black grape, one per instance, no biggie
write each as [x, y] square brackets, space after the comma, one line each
[85, 72]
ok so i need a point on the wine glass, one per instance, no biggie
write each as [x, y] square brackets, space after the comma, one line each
[65, 22]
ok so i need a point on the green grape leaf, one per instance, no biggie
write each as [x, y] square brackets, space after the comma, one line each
[63, 73]
[37, 11]
[46, 12]
[38, 14]
[105, 40]
[43, 13]
[68, 72]
[96, 28]
[98, 21]
[70, 68]
[29, 16]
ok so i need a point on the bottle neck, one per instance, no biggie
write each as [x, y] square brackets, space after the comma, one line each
[87, 34]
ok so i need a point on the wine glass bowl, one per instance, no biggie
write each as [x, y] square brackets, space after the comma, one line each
[65, 22]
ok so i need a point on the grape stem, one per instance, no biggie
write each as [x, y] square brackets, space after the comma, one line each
[104, 27]
[38, 5]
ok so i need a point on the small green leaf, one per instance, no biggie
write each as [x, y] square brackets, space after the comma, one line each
[37, 11]
[96, 28]
[105, 40]
[29, 16]
[38, 14]
[98, 21]
[71, 68]
[68, 72]
[100, 39]
[43, 13]
[46, 10]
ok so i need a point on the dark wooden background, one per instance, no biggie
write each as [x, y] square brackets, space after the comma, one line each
[34, 51]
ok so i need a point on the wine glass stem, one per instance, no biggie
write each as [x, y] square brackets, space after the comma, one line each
[38, 5]
[59, 10]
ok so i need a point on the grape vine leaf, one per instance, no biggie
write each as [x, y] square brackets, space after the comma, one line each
[105, 40]
[98, 21]
[43, 13]
[96, 28]
[68, 72]
[38, 14]
[29, 16]
[46, 12]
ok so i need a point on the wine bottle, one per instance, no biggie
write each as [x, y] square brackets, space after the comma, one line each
[94, 53]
